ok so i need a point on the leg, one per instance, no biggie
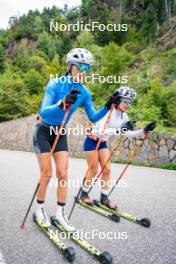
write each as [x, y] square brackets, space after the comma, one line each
[61, 161]
[92, 161]
[103, 155]
[42, 148]
[46, 175]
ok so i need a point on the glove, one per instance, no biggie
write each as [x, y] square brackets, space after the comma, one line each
[114, 99]
[151, 126]
[129, 125]
[70, 99]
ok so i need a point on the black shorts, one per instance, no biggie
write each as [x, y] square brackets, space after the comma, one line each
[43, 141]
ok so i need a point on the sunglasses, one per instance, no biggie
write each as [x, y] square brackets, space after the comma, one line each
[127, 101]
[83, 67]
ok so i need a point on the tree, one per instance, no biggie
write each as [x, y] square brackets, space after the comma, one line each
[62, 43]
[46, 43]
[22, 56]
[34, 82]
[39, 64]
[14, 99]
[2, 59]
[149, 25]
[85, 39]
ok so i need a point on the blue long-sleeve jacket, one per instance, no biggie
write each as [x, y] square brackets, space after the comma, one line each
[52, 114]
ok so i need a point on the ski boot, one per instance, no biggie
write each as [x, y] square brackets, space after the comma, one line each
[104, 200]
[84, 197]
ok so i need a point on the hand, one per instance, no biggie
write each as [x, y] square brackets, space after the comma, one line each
[129, 125]
[114, 99]
[151, 126]
[39, 119]
[70, 99]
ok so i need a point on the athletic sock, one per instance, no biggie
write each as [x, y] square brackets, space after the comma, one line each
[85, 189]
[40, 204]
[60, 208]
[60, 204]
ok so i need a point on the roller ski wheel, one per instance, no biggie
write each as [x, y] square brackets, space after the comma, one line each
[115, 218]
[96, 202]
[146, 222]
[70, 254]
[105, 258]
[34, 218]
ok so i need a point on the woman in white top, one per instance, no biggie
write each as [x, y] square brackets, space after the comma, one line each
[119, 121]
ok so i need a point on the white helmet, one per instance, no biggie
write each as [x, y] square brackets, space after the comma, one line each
[80, 55]
[127, 92]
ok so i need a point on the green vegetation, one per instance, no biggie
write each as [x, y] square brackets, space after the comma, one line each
[164, 166]
[146, 53]
[168, 166]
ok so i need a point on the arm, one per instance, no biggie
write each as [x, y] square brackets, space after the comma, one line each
[141, 132]
[137, 134]
[127, 129]
[92, 114]
[48, 107]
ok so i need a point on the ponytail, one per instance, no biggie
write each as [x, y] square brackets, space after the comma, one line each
[69, 70]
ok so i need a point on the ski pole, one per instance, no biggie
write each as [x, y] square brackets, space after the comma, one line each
[97, 147]
[47, 162]
[129, 161]
[107, 161]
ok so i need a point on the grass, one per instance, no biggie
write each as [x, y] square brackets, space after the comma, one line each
[165, 166]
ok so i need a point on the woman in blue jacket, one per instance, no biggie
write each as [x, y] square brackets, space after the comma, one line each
[69, 91]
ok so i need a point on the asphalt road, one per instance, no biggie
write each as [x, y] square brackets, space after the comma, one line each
[145, 192]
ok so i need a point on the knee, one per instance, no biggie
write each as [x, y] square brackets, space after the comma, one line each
[107, 170]
[62, 175]
[46, 175]
[93, 169]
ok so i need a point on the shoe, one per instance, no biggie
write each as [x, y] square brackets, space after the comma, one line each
[85, 198]
[104, 200]
[42, 218]
[63, 220]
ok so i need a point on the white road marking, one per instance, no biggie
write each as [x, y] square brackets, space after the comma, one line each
[2, 261]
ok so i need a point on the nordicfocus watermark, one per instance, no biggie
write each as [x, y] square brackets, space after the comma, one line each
[89, 235]
[93, 78]
[93, 26]
[76, 183]
[79, 130]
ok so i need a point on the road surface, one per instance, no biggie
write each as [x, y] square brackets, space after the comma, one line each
[144, 192]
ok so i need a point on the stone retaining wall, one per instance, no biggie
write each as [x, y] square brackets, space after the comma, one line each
[17, 135]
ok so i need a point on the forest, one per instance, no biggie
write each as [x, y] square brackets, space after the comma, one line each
[145, 53]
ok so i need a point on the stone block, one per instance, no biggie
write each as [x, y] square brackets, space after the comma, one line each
[126, 144]
[162, 141]
[172, 154]
[153, 145]
[163, 152]
[152, 157]
[170, 143]
[163, 160]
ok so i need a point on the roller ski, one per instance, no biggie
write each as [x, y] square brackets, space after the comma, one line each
[45, 226]
[87, 202]
[98, 210]
[104, 258]
[143, 221]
